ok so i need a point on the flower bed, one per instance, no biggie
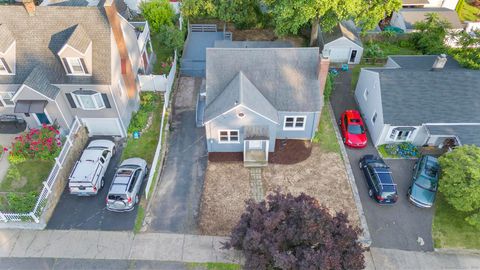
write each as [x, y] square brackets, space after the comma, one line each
[36, 144]
[399, 150]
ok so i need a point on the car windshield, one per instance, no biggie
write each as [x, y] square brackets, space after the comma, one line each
[117, 197]
[426, 184]
[431, 169]
[356, 129]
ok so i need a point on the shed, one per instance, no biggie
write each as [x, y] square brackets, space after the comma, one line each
[342, 44]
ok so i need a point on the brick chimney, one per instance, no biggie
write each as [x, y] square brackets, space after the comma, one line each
[29, 6]
[322, 71]
[126, 64]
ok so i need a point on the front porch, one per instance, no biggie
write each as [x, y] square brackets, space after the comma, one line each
[255, 153]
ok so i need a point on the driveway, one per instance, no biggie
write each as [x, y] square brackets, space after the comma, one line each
[399, 226]
[90, 213]
[176, 202]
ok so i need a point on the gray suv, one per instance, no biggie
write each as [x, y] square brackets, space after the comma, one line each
[125, 188]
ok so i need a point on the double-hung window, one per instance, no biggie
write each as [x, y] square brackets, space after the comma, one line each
[75, 66]
[228, 136]
[294, 123]
[401, 134]
[88, 100]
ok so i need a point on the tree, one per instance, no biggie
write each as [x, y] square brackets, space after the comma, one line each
[291, 16]
[288, 232]
[171, 37]
[430, 35]
[157, 13]
[460, 180]
[198, 8]
[243, 13]
[468, 55]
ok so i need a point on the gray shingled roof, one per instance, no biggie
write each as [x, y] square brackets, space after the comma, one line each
[79, 39]
[252, 44]
[38, 81]
[468, 134]
[340, 30]
[286, 77]
[422, 62]
[6, 38]
[414, 96]
[40, 37]
[414, 15]
[240, 91]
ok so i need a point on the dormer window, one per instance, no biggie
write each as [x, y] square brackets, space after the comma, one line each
[4, 68]
[75, 66]
[76, 53]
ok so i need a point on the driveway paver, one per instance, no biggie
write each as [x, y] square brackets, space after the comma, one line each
[400, 226]
[176, 202]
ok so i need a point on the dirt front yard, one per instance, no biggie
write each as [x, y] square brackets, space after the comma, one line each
[227, 187]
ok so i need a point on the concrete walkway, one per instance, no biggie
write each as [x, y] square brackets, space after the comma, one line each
[114, 245]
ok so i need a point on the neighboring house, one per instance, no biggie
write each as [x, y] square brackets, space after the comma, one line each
[69, 60]
[255, 96]
[424, 99]
[450, 4]
[406, 18]
[342, 44]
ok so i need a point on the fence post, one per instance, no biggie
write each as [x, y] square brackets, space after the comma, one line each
[34, 217]
[2, 217]
[57, 161]
[45, 185]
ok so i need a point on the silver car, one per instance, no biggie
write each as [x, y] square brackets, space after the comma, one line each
[125, 188]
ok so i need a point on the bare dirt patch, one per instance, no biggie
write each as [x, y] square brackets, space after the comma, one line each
[225, 157]
[322, 176]
[226, 188]
[290, 151]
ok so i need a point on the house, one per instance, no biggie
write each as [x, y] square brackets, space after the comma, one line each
[342, 44]
[450, 4]
[423, 99]
[406, 18]
[255, 96]
[72, 59]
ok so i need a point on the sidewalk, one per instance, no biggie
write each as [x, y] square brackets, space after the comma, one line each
[114, 245]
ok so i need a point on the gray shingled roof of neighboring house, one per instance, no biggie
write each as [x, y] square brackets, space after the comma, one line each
[422, 62]
[38, 81]
[240, 90]
[286, 77]
[252, 44]
[6, 39]
[39, 38]
[468, 134]
[413, 96]
[413, 15]
[79, 39]
[340, 30]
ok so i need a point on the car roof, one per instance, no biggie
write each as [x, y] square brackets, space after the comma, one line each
[122, 178]
[91, 155]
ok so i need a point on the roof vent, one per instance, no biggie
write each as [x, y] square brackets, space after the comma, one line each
[439, 62]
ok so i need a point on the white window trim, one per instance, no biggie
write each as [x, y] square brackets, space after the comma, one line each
[11, 94]
[72, 72]
[229, 131]
[374, 116]
[79, 103]
[295, 117]
[395, 132]
[46, 114]
[4, 71]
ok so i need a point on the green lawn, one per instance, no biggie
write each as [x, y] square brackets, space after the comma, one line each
[395, 48]
[26, 176]
[162, 53]
[468, 12]
[214, 266]
[325, 135]
[450, 230]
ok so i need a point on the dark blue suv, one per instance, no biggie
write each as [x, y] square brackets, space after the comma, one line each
[379, 180]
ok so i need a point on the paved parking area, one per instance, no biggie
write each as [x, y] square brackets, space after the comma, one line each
[90, 213]
[401, 226]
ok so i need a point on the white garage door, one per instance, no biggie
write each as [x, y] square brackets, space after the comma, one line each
[339, 55]
[103, 126]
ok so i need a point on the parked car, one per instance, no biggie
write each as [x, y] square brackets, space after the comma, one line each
[353, 129]
[378, 175]
[87, 176]
[424, 186]
[125, 188]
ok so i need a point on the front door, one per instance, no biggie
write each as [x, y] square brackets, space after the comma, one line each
[42, 118]
[353, 55]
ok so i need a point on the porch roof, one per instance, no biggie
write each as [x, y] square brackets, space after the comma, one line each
[467, 134]
[30, 106]
[256, 133]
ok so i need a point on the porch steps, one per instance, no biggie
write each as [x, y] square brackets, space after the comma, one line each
[256, 184]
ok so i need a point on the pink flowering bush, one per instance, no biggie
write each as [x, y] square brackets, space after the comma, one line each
[165, 66]
[36, 144]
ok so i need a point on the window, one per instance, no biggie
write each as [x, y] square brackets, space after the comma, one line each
[75, 66]
[228, 136]
[4, 68]
[6, 99]
[365, 94]
[374, 118]
[401, 134]
[294, 123]
[88, 100]
[134, 181]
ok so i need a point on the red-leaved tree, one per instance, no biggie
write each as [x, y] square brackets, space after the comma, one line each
[288, 232]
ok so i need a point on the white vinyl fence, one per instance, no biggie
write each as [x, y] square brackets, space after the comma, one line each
[48, 184]
[161, 83]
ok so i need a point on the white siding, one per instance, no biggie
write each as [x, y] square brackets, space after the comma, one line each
[339, 50]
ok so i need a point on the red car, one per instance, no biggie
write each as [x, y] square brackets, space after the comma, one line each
[353, 129]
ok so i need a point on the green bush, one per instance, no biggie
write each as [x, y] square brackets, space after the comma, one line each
[171, 37]
[158, 13]
[22, 203]
[328, 87]
[373, 50]
[474, 220]
[139, 120]
[36, 144]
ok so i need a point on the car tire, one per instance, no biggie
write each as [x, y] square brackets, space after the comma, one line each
[102, 182]
[370, 193]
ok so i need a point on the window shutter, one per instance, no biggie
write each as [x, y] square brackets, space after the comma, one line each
[84, 66]
[70, 100]
[5, 65]
[106, 101]
[65, 62]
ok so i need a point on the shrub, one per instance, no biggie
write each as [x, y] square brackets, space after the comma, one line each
[158, 13]
[36, 144]
[430, 37]
[373, 50]
[148, 102]
[287, 232]
[474, 220]
[328, 87]
[22, 203]
[403, 150]
[171, 37]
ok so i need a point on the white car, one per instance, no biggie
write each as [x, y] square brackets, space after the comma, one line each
[87, 176]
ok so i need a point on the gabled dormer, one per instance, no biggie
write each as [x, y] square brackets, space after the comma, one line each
[7, 51]
[76, 53]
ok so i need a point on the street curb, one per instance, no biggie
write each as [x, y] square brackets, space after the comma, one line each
[457, 251]
[365, 239]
